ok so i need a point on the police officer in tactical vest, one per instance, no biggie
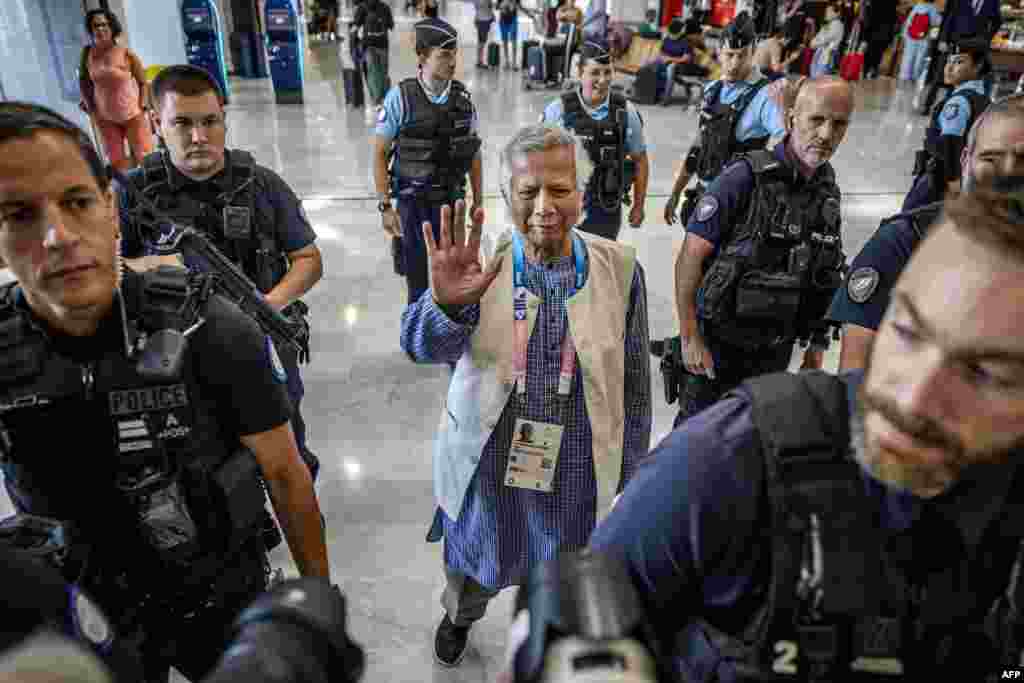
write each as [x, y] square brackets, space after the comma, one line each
[995, 144]
[426, 143]
[249, 211]
[937, 166]
[611, 132]
[740, 113]
[865, 527]
[137, 409]
[763, 255]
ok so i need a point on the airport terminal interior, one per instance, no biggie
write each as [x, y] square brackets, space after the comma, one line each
[371, 412]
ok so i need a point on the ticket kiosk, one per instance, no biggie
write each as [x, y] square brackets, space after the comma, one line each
[204, 39]
[285, 51]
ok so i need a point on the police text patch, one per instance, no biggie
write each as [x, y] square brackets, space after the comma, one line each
[862, 284]
[150, 398]
[707, 207]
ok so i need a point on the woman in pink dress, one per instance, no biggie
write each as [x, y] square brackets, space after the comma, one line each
[113, 85]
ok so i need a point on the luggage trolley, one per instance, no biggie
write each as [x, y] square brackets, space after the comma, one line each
[548, 60]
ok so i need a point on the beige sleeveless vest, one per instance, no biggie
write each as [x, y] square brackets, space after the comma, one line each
[483, 379]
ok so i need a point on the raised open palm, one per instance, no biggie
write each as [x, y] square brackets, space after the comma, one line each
[456, 276]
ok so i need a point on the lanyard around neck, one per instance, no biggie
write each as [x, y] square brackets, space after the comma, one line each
[520, 326]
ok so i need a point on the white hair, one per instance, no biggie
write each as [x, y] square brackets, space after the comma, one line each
[538, 138]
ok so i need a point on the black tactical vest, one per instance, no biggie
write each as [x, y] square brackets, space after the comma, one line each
[774, 277]
[435, 149]
[244, 235]
[161, 430]
[718, 144]
[843, 600]
[605, 144]
[376, 25]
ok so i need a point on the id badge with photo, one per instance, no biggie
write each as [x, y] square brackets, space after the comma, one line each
[533, 457]
[237, 223]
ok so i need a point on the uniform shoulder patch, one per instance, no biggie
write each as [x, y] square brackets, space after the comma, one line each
[706, 209]
[276, 366]
[951, 110]
[862, 283]
[382, 114]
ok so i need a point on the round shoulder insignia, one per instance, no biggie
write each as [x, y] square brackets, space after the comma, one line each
[276, 366]
[382, 114]
[951, 110]
[707, 207]
[88, 620]
[862, 283]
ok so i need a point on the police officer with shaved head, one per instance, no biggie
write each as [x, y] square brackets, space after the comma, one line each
[762, 257]
[739, 114]
[139, 412]
[611, 132]
[426, 143]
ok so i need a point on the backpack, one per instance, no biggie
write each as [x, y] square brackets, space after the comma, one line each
[919, 26]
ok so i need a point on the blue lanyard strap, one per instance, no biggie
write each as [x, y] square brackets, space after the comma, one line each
[579, 253]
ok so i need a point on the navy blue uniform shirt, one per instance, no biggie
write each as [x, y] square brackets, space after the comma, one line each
[690, 526]
[272, 198]
[862, 300]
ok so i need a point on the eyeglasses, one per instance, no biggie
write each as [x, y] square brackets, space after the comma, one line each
[184, 126]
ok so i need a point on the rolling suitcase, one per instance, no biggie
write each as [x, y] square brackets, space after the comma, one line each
[645, 87]
[494, 55]
[535, 63]
[353, 79]
[525, 53]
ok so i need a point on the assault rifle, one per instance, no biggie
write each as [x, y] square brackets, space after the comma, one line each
[229, 280]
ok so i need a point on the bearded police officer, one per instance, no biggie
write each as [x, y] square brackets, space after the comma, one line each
[762, 256]
[427, 128]
[937, 166]
[611, 131]
[139, 411]
[740, 113]
[865, 527]
[995, 144]
[249, 212]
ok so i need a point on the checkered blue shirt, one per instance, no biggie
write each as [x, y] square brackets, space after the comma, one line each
[502, 532]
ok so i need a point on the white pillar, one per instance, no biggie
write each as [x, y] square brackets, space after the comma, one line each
[154, 30]
[40, 49]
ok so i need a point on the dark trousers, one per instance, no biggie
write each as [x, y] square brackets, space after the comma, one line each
[296, 391]
[194, 643]
[873, 55]
[600, 221]
[413, 214]
[733, 366]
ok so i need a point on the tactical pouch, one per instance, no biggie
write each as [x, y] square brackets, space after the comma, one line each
[691, 197]
[167, 525]
[768, 296]
[238, 497]
[465, 147]
[719, 289]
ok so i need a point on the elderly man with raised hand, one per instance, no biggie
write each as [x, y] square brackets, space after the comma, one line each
[552, 334]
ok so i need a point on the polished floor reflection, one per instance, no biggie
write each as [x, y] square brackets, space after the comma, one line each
[371, 412]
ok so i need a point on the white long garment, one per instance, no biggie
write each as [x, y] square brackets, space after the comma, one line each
[830, 35]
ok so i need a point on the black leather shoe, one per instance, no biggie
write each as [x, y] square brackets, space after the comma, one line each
[450, 643]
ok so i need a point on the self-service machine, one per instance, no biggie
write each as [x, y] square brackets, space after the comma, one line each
[204, 39]
[285, 51]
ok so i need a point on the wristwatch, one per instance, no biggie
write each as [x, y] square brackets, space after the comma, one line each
[383, 205]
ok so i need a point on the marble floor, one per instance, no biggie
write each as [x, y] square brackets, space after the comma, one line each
[371, 413]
